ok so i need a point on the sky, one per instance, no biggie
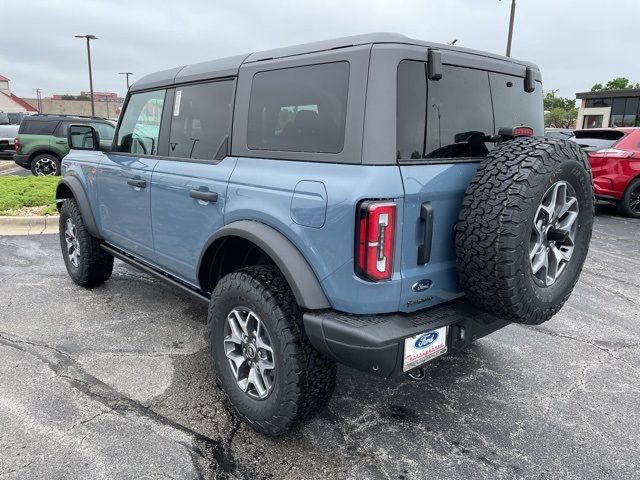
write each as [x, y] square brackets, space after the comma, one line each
[574, 42]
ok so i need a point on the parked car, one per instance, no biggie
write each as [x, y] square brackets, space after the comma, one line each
[41, 142]
[375, 201]
[614, 155]
[8, 134]
[561, 133]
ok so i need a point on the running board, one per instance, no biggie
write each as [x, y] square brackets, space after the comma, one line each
[198, 295]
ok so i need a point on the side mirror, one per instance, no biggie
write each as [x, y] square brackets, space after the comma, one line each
[83, 137]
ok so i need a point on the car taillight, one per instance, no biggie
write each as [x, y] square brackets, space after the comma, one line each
[16, 144]
[611, 153]
[375, 242]
[523, 132]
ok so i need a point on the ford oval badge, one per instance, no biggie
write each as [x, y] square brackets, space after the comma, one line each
[422, 285]
[427, 339]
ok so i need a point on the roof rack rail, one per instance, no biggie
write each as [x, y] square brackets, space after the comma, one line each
[67, 116]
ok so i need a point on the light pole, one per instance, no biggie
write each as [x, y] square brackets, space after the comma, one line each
[38, 99]
[89, 38]
[127, 74]
[513, 14]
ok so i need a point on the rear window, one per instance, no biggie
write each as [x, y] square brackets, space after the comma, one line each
[299, 109]
[38, 127]
[457, 109]
[592, 141]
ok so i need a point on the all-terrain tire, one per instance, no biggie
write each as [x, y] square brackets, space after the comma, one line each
[628, 204]
[494, 230]
[93, 265]
[304, 378]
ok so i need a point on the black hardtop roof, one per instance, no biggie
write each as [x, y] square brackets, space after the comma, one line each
[229, 66]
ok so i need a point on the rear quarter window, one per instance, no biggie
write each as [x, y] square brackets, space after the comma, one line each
[38, 127]
[299, 109]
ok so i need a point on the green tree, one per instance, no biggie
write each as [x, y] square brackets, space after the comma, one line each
[559, 112]
[68, 97]
[618, 83]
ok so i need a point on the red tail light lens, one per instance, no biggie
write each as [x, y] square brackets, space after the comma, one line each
[376, 240]
[523, 132]
[611, 153]
[16, 143]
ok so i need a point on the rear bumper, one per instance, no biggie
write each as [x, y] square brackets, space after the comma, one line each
[22, 160]
[375, 343]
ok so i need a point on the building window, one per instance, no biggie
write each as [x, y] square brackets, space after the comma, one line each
[597, 102]
[592, 121]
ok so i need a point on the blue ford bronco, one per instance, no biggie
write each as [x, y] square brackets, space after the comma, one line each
[374, 201]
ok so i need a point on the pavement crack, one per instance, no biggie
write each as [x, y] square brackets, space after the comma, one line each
[214, 452]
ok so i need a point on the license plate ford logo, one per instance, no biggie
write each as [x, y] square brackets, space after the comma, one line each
[427, 339]
[423, 347]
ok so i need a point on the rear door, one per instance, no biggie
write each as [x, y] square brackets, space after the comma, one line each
[456, 114]
[189, 186]
[124, 175]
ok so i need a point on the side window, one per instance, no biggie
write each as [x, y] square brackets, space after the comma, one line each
[513, 106]
[201, 119]
[411, 109]
[38, 127]
[299, 109]
[459, 114]
[105, 131]
[140, 126]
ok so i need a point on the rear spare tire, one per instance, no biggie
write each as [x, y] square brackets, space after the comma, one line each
[524, 228]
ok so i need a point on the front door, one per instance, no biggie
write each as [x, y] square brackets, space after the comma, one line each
[124, 176]
[188, 190]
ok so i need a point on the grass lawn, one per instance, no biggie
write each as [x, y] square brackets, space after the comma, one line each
[28, 195]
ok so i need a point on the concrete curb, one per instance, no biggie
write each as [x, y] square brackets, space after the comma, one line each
[7, 165]
[29, 225]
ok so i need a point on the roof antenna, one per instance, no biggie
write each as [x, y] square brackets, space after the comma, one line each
[452, 43]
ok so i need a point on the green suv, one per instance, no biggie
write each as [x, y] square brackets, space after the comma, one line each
[41, 143]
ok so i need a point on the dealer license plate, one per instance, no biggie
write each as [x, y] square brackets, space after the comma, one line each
[423, 347]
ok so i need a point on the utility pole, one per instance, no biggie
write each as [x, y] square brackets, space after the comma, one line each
[127, 74]
[513, 14]
[89, 38]
[38, 99]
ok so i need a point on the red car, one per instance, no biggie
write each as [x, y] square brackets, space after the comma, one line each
[614, 155]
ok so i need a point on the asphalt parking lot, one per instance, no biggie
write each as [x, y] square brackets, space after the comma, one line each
[115, 382]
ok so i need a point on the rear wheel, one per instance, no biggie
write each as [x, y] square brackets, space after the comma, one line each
[46, 164]
[629, 204]
[264, 362]
[524, 228]
[87, 263]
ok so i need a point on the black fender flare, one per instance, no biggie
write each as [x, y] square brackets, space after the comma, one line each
[77, 190]
[295, 268]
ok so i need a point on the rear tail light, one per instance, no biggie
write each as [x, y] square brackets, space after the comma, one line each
[610, 153]
[376, 240]
[16, 143]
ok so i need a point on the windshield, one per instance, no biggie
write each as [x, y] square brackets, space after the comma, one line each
[4, 119]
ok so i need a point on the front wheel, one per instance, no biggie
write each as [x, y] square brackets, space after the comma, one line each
[629, 204]
[264, 362]
[45, 165]
[87, 263]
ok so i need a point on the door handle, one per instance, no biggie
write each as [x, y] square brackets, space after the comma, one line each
[137, 182]
[424, 250]
[203, 195]
[61, 142]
